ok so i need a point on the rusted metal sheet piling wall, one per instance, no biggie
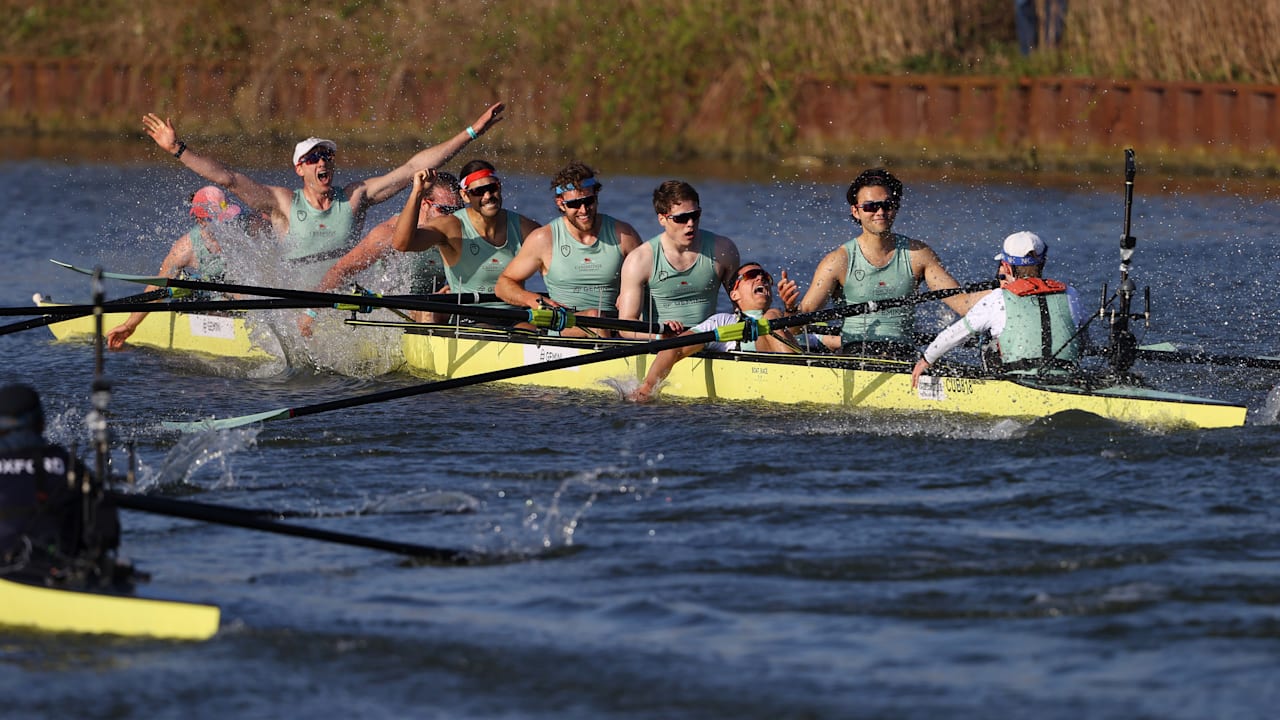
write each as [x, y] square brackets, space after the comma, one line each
[944, 115]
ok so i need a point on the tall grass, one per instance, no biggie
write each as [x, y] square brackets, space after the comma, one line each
[1198, 40]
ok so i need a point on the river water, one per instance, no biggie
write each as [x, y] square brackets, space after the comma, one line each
[685, 560]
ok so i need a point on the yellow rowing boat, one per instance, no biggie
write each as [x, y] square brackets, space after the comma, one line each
[218, 335]
[46, 609]
[803, 379]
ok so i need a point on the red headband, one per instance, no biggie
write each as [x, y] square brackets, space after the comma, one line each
[477, 175]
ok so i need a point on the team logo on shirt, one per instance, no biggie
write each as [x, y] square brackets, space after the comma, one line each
[565, 250]
[302, 215]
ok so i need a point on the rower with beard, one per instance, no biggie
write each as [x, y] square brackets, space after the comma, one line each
[477, 241]
[320, 221]
[672, 280]
[579, 254]
[879, 264]
[752, 296]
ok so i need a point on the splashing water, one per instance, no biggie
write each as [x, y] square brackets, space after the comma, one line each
[193, 452]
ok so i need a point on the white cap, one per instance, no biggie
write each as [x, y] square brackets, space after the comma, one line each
[310, 143]
[1023, 248]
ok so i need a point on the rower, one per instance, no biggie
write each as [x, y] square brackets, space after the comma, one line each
[321, 220]
[476, 241]
[673, 280]
[879, 264]
[441, 198]
[50, 532]
[1035, 320]
[579, 254]
[752, 297]
[198, 252]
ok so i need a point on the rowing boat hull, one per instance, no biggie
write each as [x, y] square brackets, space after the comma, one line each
[55, 610]
[217, 335]
[795, 379]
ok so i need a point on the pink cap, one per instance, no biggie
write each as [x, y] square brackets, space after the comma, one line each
[210, 203]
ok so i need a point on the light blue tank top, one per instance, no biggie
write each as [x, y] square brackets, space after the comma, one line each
[685, 295]
[585, 276]
[864, 281]
[480, 264]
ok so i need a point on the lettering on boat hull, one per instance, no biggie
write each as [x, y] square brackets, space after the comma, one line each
[212, 326]
[538, 354]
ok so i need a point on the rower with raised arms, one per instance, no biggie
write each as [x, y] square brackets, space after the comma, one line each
[477, 241]
[752, 297]
[579, 254]
[879, 264]
[673, 280]
[319, 221]
[1034, 320]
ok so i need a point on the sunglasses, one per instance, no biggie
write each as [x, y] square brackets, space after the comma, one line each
[685, 217]
[447, 209]
[875, 206]
[587, 201]
[480, 192]
[752, 274]
[317, 155]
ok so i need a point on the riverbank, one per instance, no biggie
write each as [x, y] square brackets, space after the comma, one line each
[938, 84]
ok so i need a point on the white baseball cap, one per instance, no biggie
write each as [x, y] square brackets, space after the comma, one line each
[1023, 248]
[310, 144]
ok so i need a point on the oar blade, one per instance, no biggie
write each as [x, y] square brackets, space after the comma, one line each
[226, 423]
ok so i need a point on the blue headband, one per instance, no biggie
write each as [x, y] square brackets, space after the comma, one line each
[588, 183]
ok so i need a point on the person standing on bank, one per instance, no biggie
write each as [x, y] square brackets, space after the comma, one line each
[1035, 321]
[319, 221]
[579, 254]
[879, 264]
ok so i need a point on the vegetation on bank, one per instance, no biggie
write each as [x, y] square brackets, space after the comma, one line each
[648, 65]
[671, 40]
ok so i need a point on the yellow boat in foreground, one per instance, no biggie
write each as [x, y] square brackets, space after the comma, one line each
[804, 378]
[218, 335]
[56, 610]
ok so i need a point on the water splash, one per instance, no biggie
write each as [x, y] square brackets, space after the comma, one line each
[193, 452]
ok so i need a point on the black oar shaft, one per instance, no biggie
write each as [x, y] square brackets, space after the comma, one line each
[223, 515]
[50, 318]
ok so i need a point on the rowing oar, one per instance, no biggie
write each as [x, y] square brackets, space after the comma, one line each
[747, 329]
[49, 317]
[223, 515]
[452, 303]
[1166, 352]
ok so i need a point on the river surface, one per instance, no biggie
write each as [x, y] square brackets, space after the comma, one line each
[684, 560]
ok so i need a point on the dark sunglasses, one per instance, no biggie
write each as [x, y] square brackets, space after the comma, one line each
[752, 274]
[317, 155]
[479, 192]
[875, 206]
[447, 209]
[684, 218]
[587, 201]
